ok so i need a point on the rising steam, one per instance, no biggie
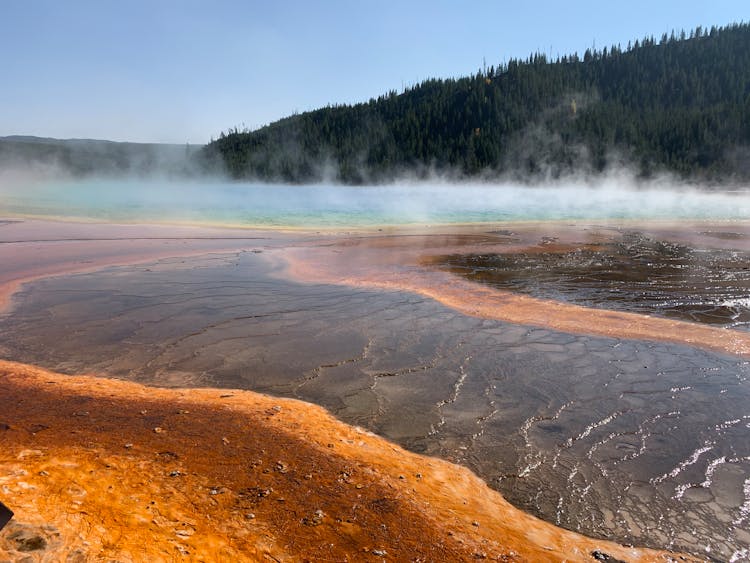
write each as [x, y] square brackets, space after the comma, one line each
[433, 202]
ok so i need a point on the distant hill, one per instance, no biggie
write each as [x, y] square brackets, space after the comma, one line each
[87, 157]
[680, 103]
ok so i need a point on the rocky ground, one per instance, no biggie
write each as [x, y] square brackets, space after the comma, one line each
[104, 470]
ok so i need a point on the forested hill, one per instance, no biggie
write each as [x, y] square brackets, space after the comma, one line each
[679, 103]
[90, 157]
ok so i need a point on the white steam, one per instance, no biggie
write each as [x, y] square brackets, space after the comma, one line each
[616, 196]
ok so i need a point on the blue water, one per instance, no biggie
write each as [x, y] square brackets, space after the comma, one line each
[326, 205]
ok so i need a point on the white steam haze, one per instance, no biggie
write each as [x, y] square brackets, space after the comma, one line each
[221, 202]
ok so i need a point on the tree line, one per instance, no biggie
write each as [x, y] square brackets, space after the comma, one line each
[679, 104]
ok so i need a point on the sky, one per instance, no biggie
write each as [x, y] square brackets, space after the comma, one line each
[183, 71]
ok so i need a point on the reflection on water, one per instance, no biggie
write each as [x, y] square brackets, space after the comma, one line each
[646, 443]
[637, 274]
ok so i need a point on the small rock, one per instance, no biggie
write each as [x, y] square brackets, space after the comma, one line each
[601, 556]
[128, 446]
[26, 540]
[77, 556]
[175, 473]
[316, 520]
[379, 552]
[281, 467]
[250, 516]
[401, 477]
[225, 441]
[475, 524]
[42, 473]
[158, 429]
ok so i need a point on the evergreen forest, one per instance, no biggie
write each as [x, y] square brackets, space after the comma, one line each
[679, 103]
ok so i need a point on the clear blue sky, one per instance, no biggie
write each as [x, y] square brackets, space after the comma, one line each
[182, 71]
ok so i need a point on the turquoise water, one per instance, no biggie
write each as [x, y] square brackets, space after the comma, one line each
[326, 205]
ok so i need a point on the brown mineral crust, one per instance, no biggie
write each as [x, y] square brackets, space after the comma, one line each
[405, 263]
[33, 249]
[99, 469]
[396, 258]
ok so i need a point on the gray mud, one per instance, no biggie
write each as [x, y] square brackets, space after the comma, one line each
[635, 273]
[644, 443]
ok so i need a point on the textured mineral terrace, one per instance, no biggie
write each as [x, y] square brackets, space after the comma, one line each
[100, 469]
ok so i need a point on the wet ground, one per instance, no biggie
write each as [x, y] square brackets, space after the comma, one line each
[636, 273]
[645, 443]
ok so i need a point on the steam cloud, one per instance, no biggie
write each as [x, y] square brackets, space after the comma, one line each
[153, 183]
[617, 196]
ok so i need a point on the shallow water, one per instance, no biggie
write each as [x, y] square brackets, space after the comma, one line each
[646, 443]
[328, 205]
[635, 273]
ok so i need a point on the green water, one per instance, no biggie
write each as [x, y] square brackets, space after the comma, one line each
[326, 205]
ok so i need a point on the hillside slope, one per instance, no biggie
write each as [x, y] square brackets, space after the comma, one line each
[88, 157]
[678, 104]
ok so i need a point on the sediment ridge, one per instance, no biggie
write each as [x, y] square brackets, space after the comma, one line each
[404, 263]
[399, 260]
[99, 469]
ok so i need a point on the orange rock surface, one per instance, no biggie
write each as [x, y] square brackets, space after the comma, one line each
[105, 470]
